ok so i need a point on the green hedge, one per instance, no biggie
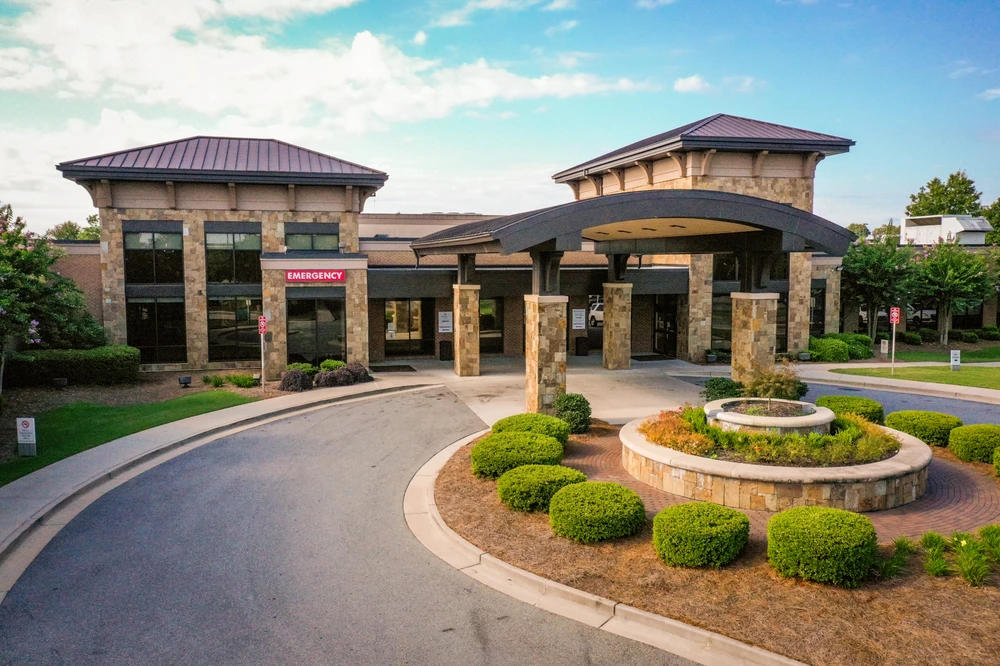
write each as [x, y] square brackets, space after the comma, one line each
[822, 544]
[700, 534]
[329, 365]
[540, 423]
[858, 346]
[503, 451]
[114, 364]
[531, 487]
[720, 388]
[928, 334]
[574, 409]
[996, 461]
[596, 511]
[931, 427]
[909, 337]
[848, 404]
[829, 351]
[975, 443]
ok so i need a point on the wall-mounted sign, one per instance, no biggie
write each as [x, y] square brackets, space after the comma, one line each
[579, 320]
[446, 320]
[314, 276]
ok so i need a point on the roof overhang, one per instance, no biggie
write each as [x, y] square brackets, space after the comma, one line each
[648, 222]
[82, 173]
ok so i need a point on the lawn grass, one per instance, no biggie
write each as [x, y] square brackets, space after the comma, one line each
[988, 378]
[80, 426]
[970, 356]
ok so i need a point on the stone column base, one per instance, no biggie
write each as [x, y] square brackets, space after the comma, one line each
[755, 330]
[544, 351]
[617, 326]
[466, 336]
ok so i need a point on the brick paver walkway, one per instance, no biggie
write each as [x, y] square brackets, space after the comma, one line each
[958, 498]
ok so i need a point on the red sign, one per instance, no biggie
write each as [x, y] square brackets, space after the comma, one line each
[262, 325]
[314, 276]
[893, 315]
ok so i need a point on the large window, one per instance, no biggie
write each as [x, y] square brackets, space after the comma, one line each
[154, 258]
[316, 330]
[781, 337]
[781, 266]
[817, 311]
[329, 242]
[726, 268]
[722, 323]
[156, 327]
[232, 258]
[409, 327]
[490, 326]
[232, 329]
[968, 316]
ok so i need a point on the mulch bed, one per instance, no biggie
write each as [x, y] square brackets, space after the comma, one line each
[912, 619]
[762, 408]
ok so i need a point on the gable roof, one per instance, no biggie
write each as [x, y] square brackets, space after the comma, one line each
[224, 159]
[720, 131]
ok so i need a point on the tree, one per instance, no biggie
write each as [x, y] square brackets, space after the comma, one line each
[948, 275]
[887, 230]
[93, 229]
[859, 230]
[957, 196]
[879, 273]
[70, 230]
[992, 214]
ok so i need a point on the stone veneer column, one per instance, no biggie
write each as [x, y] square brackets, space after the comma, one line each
[755, 329]
[617, 326]
[466, 327]
[195, 291]
[545, 351]
[832, 305]
[699, 317]
[356, 309]
[113, 276]
[274, 308]
[799, 299]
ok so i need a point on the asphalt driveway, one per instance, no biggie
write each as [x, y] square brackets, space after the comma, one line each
[284, 544]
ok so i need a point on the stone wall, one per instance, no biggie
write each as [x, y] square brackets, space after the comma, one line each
[799, 300]
[466, 323]
[274, 307]
[699, 324]
[545, 351]
[617, 326]
[755, 319]
[642, 324]
[376, 330]
[356, 309]
[513, 327]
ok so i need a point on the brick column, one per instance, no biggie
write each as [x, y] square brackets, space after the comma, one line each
[832, 323]
[617, 325]
[466, 309]
[755, 328]
[545, 351]
[799, 297]
[699, 308]
[356, 311]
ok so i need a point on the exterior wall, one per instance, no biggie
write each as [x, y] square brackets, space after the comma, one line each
[990, 311]
[799, 299]
[826, 269]
[376, 329]
[466, 325]
[356, 310]
[642, 324]
[575, 303]
[545, 351]
[443, 304]
[274, 308]
[617, 326]
[755, 325]
[81, 263]
[699, 310]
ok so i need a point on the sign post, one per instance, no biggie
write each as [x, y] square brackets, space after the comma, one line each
[26, 442]
[262, 329]
[893, 319]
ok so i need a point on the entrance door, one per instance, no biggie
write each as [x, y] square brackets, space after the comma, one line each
[665, 325]
[409, 327]
[490, 326]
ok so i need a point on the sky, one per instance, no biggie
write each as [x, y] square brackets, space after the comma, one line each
[472, 105]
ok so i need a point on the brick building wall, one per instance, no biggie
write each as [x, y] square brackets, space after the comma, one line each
[81, 263]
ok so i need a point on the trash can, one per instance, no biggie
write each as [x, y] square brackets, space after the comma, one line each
[446, 350]
[582, 346]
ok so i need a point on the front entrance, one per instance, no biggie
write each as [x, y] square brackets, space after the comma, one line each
[409, 327]
[665, 325]
[490, 326]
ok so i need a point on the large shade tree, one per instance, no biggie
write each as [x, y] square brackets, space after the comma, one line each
[70, 230]
[956, 196]
[879, 273]
[950, 276]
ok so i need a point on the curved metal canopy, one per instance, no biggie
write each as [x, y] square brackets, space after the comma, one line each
[648, 222]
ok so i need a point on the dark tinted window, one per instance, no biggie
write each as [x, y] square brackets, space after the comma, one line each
[156, 327]
[232, 329]
[232, 258]
[316, 330]
[725, 267]
[722, 322]
[154, 258]
[328, 242]
[817, 312]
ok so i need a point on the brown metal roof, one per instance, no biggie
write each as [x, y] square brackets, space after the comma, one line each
[223, 158]
[719, 131]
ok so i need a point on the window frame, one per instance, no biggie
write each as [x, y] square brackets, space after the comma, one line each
[233, 250]
[155, 256]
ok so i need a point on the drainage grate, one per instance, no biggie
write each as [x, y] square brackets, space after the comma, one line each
[653, 357]
[393, 368]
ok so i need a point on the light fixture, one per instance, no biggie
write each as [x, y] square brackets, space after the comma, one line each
[678, 226]
[184, 381]
[648, 229]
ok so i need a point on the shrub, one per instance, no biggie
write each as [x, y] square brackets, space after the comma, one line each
[540, 423]
[889, 567]
[723, 355]
[295, 380]
[329, 365]
[996, 461]
[829, 351]
[720, 388]
[503, 451]
[113, 364]
[242, 380]
[928, 334]
[972, 560]
[671, 430]
[968, 336]
[858, 346]
[307, 368]
[781, 383]
[358, 372]
[931, 427]
[339, 377]
[698, 534]
[596, 511]
[848, 404]
[933, 540]
[974, 443]
[990, 333]
[531, 487]
[574, 409]
[990, 536]
[909, 337]
[822, 544]
[213, 380]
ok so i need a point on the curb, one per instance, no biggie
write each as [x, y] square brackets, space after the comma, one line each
[912, 390]
[684, 640]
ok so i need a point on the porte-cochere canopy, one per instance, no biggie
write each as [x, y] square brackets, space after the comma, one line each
[648, 222]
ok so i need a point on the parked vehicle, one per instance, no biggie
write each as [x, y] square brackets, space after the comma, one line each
[597, 314]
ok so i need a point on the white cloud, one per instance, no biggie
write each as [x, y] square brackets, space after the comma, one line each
[743, 84]
[653, 4]
[556, 5]
[992, 93]
[420, 38]
[692, 84]
[571, 59]
[276, 9]
[461, 15]
[564, 26]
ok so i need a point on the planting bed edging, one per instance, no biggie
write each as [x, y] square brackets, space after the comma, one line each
[889, 483]
[817, 422]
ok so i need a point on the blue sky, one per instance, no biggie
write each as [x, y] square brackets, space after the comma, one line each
[472, 105]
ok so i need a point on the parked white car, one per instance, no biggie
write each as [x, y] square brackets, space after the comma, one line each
[597, 314]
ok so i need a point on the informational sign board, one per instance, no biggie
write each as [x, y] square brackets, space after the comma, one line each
[893, 316]
[885, 348]
[262, 325]
[26, 444]
[314, 276]
[579, 320]
[956, 359]
[446, 319]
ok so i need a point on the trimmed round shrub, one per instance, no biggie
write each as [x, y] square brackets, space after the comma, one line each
[909, 337]
[967, 336]
[975, 443]
[540, 423]
[866, 408]
[596, 511]
[928, 334]
[574, 409]
[358, 372]
[719, 388]
[295, 380]
[822, 544]
[827, 350]
[700, 534]
[503, 451]
[330, 364]
[531, 487]
[931, 427]
[338, 377]
[307, 368]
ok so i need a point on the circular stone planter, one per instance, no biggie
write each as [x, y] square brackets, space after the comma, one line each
[889, 483]
[818, 421]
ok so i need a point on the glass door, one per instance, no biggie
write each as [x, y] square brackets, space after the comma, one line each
[665, 325]
[409, 327]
